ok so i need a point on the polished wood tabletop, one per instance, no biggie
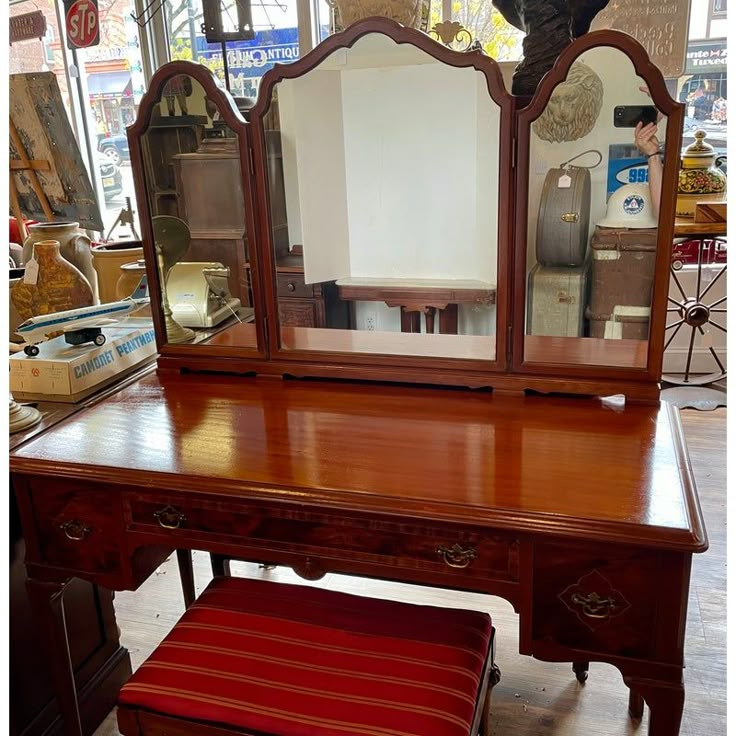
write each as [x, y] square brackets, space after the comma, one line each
[574, 466]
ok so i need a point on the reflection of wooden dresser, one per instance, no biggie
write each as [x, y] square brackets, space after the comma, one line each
[209, 185]
[167, 137]
[306, 305]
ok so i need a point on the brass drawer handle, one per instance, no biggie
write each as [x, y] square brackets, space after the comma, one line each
[593, 606]
[569, 217]
[169, 517]
[75, 530]
[457, 556]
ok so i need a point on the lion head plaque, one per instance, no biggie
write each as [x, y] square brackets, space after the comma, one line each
[573, 107]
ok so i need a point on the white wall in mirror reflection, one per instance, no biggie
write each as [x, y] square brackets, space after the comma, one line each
[386, 184]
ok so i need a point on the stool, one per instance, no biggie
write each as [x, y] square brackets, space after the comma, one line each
[262, 658]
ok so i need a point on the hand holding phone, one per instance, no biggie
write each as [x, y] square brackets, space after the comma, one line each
[629, 116]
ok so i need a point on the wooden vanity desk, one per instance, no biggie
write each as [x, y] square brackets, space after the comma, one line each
[582, 515]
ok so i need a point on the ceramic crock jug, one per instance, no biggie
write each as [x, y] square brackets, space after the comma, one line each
[130, 276]
[108, 258]
[75, 246]
[57, 285]
[700, 180]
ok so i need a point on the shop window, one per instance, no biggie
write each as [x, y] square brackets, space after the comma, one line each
[40, 55]
[719, 7]
[276, 41]
[114, 80]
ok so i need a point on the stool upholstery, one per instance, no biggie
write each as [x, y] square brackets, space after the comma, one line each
[252, 656]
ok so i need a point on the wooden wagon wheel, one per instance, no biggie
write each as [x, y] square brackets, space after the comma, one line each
[696, 312]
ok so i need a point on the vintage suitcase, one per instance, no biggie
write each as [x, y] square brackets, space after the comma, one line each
[623, 323]
[564, 217]
[621, 282]
[623, 268]
[556, 299]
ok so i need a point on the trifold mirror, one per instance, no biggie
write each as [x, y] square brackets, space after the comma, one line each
[192, 150]
[390, 211]
[386, 235]
[595, 211]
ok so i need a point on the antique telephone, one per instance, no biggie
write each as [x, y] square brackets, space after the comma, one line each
[199, 294]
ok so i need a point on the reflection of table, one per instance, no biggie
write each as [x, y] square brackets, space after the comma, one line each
[420, 296]
[585, 518]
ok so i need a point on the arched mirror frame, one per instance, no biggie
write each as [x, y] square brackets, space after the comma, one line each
[200, 352]
[619, 378]
[383, 366]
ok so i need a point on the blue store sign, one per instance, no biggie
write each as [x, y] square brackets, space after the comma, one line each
[253, 58]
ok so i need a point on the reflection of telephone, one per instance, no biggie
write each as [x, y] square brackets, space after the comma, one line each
[199, 294]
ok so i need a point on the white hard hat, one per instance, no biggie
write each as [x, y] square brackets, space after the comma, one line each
[630, 206]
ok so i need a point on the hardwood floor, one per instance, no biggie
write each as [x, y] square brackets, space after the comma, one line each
[534, 698]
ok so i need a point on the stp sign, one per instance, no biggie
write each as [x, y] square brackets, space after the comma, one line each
[82, 24]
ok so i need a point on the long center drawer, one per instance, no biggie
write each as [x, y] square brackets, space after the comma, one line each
[473, 554]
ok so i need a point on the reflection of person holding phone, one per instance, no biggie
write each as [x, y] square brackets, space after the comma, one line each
[646, 141]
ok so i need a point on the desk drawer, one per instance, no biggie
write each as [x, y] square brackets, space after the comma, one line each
[596, 599]
[292, 285]
[79, 526]
[331, 537]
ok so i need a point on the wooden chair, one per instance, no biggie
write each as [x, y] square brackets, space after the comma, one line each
[272, 659]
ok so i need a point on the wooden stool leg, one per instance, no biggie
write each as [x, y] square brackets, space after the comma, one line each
[220, 565]
[186, 573]
[485, 722]
[581, 671]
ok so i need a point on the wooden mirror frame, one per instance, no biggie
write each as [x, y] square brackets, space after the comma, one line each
[635, 382]
[233, 119]
[509, 373]
[381, 366]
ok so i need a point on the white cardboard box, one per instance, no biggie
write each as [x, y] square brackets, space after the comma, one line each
[70, 373]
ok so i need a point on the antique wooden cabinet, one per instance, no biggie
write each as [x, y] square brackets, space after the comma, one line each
[391, 236]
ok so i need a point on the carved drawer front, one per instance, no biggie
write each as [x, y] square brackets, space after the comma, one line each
[436, 550]
[292, 284]
[598, 600]
[298, 313]
[79, 525]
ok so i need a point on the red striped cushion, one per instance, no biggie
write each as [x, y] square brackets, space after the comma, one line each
[293, 660]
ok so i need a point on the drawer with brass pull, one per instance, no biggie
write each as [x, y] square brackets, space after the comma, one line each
[79, 526]
[274, 533]
[601, 602]
[292, 285]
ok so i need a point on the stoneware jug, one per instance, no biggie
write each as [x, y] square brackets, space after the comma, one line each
[56, 286]
[107, 259]
[75, 246]
[130, 276]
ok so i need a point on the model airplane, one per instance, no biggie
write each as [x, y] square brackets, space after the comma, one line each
[78, 325]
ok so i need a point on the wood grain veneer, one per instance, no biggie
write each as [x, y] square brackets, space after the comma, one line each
[550, 464]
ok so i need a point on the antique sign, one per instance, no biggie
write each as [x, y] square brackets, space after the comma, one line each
[82, 24]
[27, 26]
[660, 26]
[45, 135]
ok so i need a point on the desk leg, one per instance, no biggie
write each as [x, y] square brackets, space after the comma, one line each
[48, 610]
[186, 575]
[665, 701]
